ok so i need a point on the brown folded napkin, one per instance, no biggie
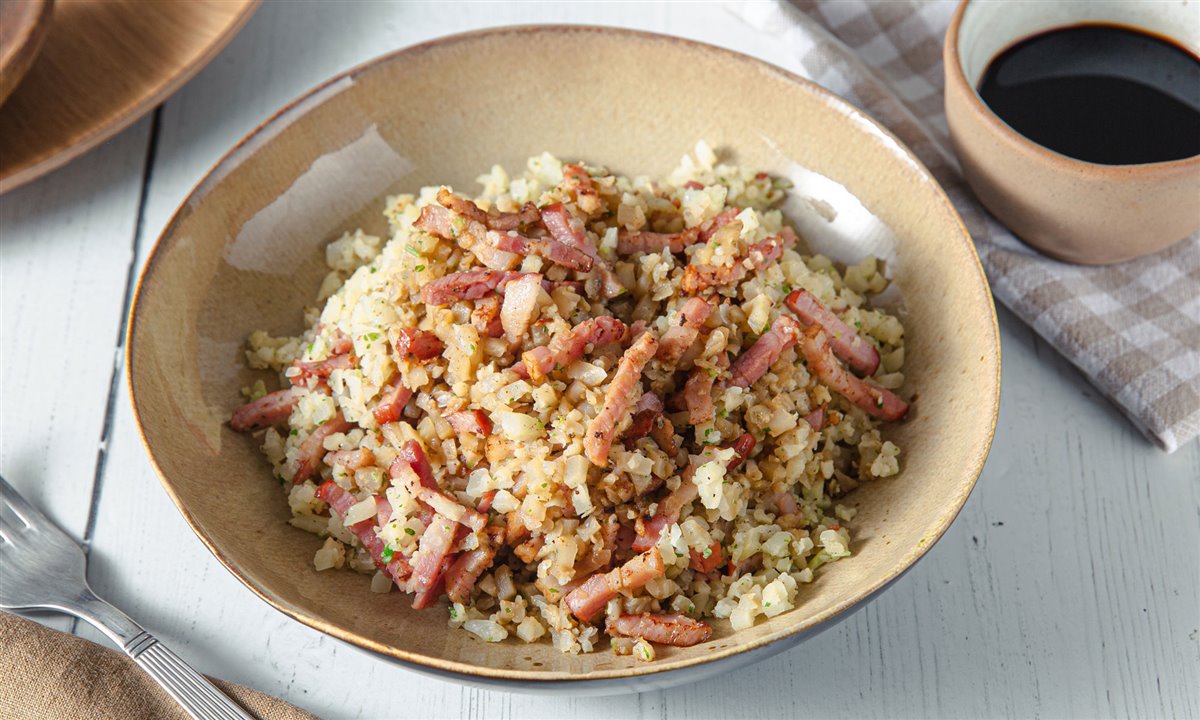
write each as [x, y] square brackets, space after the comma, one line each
[1133, 329]
[49, 675]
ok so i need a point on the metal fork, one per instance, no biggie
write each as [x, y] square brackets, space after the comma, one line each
[44, 569]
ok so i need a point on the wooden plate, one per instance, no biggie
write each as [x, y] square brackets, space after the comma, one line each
[103, 65]
[246, 251]
[23, 25]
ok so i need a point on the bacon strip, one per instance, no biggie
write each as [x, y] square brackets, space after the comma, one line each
[420, 344]
[467, 285]
[680, 336]
[463, 573]
[816, 418]
[648, 408]
[470, 421]
[270, 409]
[494, 220]
[698, 278]
[601, 429]
[350, 460]
[876, 401]
[755, 361]
[666, 629]
[696, 397]
[340, 501]
[321, 368]
[670, 507]
[432, 560]
[593, 594]
[566, 348]
[846, 343]
[469, 234]
[723, 218]
[705, 564]
[579, 182]
[312, 448]
[486, 316]
[559, 222]
[392, 400]
[444, 504]
[549, 248]
[630, 242]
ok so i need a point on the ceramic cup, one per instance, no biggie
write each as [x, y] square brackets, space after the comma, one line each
[1070, 209]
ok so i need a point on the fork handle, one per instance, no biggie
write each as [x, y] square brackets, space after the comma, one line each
[194, 693]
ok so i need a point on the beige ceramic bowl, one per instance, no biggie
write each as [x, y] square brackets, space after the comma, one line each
[1067, 208]
[245, 251]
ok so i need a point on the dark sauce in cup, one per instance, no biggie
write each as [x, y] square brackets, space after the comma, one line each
[1105, 94]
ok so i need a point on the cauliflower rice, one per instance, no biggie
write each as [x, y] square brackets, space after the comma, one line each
[677, 462]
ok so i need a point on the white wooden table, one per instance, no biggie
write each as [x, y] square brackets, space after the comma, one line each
[1068, 586]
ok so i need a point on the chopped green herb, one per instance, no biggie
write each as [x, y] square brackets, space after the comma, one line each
[472, 347]
[453, 613]
[712, 373]
[767, 604]
[294, 432]
[387, 554]
[411, 250]
[707, 553]
[374, 269]
[691, 609]
[371, 337]
[280, 479]
[613, 643]
[420, 268]
[554, 590]
[858, 324]
[410, 531]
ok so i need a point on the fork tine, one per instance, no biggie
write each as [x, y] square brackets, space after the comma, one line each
[30, 515]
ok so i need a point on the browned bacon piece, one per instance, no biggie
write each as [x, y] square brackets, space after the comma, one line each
[666, 629]
[755, 361]
[340, 501]
[684, 330]
[566, 348]
[593, 594]
[846, 343]
[486, 316]
[601, 430]
[420, 344]
[494, 220]
[350, 460]
[312, 448]
[580, 183]
[270, 409]
[698, 278]
[465, 571]
[470, 421]
[645, 241]
[469, 234]
[564, 229]
[546, 247]
[876, 401]
[432, 560]
[392, 399]
[320, 368]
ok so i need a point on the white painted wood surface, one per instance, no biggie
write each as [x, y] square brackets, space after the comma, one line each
[1068, 587]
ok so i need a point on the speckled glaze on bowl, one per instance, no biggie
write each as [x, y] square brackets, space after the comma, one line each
[245, 251]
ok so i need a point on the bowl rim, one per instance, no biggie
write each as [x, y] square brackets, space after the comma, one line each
[545, 678]
[1015, 141]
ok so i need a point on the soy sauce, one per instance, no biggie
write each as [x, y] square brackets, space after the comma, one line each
[1101, 93]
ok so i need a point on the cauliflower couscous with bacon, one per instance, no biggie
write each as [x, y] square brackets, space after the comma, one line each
[584, 403]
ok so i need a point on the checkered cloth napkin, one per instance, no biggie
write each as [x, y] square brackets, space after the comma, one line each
[1133, 328]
